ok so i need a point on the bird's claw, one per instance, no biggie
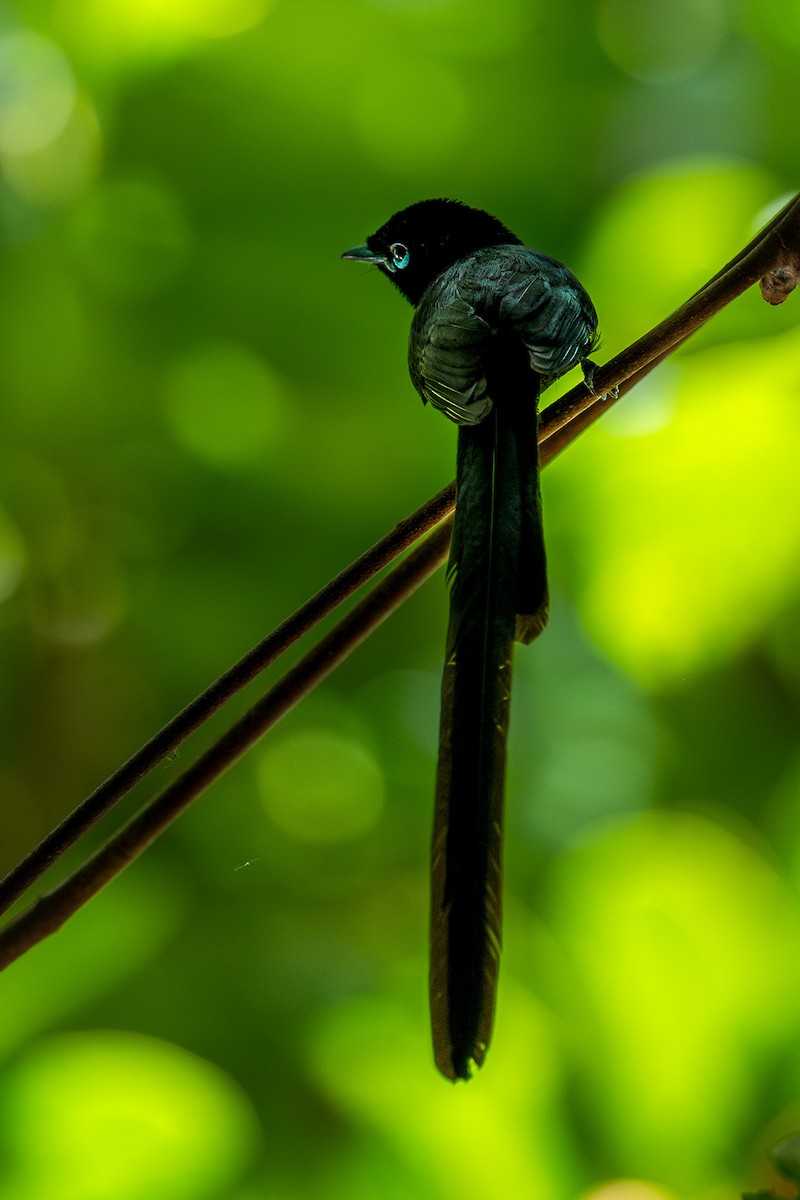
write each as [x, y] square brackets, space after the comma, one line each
[589, 368]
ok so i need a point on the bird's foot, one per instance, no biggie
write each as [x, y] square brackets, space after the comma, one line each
[588, 367]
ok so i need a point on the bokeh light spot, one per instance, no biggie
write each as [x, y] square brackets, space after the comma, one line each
[664, 233]
[660, 42]
[37, 92]
[114, 1116]
[710, 550]
[222, 18]
[58, 171]
[488, 1139]
[677, 931]
[85, 601]
[135, 31]
[321, 787]
[225, 405]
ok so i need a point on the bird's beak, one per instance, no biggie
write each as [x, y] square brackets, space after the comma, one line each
[364, 254]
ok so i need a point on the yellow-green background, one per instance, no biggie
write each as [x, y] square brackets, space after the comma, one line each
[204, 414]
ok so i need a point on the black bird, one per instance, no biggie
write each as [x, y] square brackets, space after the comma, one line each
[495, 323]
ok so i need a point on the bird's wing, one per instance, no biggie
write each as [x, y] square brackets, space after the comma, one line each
[545, 306]
[447, 352]
[500, 290]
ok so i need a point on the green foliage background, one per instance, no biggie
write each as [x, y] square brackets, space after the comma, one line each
[205, 414]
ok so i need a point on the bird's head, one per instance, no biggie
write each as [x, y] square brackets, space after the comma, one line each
[418, 243]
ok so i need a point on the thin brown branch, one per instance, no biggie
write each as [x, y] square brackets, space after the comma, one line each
[756, 261]
[103, 798]
[50, 912]
[564, 435]
[560, 425]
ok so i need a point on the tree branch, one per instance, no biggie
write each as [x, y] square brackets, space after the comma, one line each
[772, 256]
[50, 912]
[103, 798]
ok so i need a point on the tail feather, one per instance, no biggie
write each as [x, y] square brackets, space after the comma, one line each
[498, 593]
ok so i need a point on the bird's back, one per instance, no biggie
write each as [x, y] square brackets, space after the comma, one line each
[509, 294]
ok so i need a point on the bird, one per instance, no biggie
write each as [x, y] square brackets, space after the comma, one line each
[495, 322]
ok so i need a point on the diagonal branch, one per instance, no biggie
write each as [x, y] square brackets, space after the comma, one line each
[103, 798]
[772, 256]
[50, 912]
[763, 258]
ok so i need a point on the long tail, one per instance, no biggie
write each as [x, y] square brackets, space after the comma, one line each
[498, 593]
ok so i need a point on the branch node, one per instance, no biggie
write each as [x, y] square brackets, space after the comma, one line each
[782, 279]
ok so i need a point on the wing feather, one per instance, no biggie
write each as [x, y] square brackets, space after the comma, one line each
[496, 292]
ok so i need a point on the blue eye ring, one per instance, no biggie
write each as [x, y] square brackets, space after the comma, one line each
[400, 256]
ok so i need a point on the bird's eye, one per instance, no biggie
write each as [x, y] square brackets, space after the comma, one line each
[400, 255]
